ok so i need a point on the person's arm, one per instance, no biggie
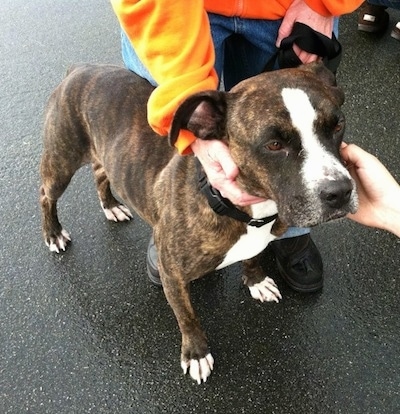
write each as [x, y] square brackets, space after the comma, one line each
[173, 40]
[378, 191]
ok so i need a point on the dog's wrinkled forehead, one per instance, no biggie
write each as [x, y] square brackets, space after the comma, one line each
[266, 89]
[303, 116]
[295, 103]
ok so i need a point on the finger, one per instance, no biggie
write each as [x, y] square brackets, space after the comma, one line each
[229, 189]
[284, 31]
[351, 154]
[304, 56]
[224, 159]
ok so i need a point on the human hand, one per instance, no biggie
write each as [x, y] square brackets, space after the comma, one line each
[378, 191]
[298, 11]
[221, 171]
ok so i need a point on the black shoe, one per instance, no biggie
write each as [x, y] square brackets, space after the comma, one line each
[299, 263]
[372, 19]
[152, 267]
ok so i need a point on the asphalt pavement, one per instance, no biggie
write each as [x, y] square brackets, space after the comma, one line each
[85, 331]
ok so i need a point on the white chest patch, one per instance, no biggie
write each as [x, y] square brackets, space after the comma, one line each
[256, 239]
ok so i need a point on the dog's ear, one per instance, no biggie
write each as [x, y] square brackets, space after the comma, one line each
[204, 114]
[327, 77]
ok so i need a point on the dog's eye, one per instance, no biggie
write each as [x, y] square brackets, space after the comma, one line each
[339, 125]
[274, 146]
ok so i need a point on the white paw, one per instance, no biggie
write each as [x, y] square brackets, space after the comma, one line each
[266, 291]
[60, 242]
[117, 213]
[199, 370]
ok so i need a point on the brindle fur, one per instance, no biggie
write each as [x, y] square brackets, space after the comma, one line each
[98, 115]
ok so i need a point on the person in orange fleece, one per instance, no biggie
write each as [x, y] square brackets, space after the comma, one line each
[183, 48]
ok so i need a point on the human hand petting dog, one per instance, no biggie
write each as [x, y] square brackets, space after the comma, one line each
[221, 171]
[378, 191]
[299, 12]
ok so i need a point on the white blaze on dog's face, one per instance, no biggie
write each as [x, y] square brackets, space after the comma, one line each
[329, 190]
[318, 163]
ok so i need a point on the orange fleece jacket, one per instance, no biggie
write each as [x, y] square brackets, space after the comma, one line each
[172, 39]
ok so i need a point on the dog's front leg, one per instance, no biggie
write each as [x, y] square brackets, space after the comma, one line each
[195, 355]
[261, 287]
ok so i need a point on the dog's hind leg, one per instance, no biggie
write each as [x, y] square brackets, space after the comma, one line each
[56, 176]
[261, 287]
[112, 208]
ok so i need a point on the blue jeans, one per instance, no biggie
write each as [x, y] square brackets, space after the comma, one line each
[394, 4]
[242, 48]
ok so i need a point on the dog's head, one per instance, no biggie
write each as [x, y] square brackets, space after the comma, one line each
[284, 130]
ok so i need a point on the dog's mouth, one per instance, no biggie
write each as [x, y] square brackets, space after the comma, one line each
[336, 215]
[313, 217]
[332, 215]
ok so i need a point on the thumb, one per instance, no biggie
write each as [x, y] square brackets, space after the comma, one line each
[284, 31]
[228, 166]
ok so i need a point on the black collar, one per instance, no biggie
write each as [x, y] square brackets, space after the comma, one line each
[223, 206]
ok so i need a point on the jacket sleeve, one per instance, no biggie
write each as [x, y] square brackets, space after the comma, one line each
[333, 7]
[173, 40]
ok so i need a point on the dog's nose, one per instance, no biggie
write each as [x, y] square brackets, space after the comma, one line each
[336, 194]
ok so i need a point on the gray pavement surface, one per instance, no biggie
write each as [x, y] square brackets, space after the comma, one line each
[85, 331]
